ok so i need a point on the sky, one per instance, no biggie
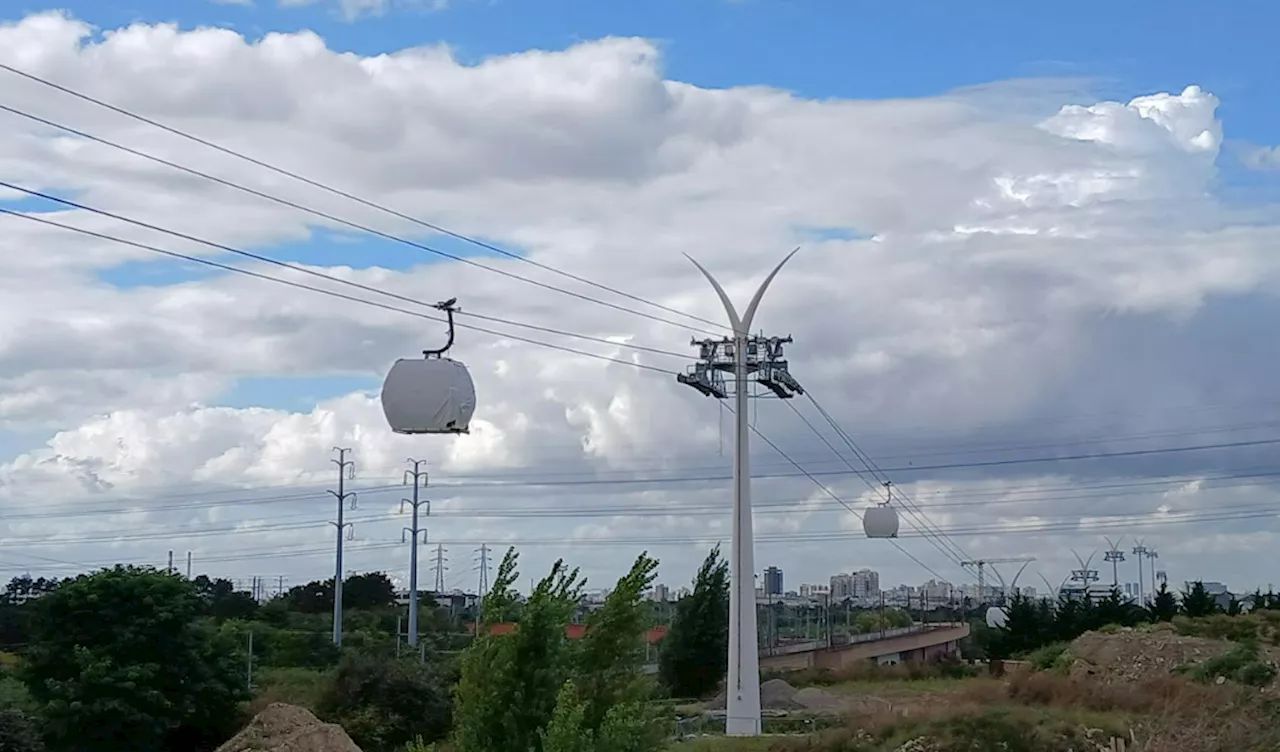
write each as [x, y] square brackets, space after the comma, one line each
[1035, 285]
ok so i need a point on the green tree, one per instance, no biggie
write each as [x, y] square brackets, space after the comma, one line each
[695, 652]
[509, 683]
[223, 601]
[18, 733]
[315, 597]
[368, 590]
[876, 620]
[1164, 606]
[1197, 602]
[122, 657]
[385, 703]
[532, 689]
[1026, 628]
[609, 661]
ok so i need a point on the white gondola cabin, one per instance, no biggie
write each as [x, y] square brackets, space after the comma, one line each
[432, 394]
[880, 521]
[429, 395]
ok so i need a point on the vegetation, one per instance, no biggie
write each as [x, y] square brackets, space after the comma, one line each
[696, 655]
[1033, 625]
[149, 661]
[123, 654]
[532, 689]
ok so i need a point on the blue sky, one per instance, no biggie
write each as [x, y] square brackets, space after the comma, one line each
[824, 48]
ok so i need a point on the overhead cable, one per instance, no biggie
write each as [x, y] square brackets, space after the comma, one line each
[352, 197]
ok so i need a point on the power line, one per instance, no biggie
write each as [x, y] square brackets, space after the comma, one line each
[922, 526]
[298, 268]
[833, 495]
[348, 223]
[334, 293]
[527, 481]
[275, 551]
[1025, 495]
[950, 548]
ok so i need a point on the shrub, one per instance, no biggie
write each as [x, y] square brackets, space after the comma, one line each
[386, 703]
[18, 732]
[1242, 664]
[1050, 658]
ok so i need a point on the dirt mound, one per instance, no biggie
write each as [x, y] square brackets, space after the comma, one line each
[775, 694]
[812, 698]
[287, 728]
[1135, 656]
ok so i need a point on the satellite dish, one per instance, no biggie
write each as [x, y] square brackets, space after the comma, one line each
[432, 394]
[880, 521]
[997, 617]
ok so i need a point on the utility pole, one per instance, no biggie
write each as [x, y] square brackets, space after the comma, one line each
[1140, 550]
[419, 478]
[346, 471]
[439, 568]
[1115, 556]
[188, 565]
[170, 568]
[748, 359]
[482, 565]
[249, 664]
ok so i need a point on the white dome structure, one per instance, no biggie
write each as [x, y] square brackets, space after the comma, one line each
[429, 396]
[997, 617]
[880, 521]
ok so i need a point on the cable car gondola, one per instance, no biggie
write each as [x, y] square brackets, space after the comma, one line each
[881, 520]
[430, 395]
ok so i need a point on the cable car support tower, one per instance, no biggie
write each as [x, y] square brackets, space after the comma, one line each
[745, 359]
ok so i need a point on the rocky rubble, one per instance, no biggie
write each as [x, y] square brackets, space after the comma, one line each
[287, 728]
[1131, 655]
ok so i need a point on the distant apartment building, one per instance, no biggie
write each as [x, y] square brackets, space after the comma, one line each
[866, 584]
[861, 585]
[773, 581]
[936, 591]
[661, 593]
[815, 591]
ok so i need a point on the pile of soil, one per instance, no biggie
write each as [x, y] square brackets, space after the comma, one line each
[288, 728]
[1131, 655]
[777, 694]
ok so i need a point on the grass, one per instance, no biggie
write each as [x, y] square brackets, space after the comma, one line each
[1242, 664]
[1044, 711]
[1051, 658]
[296, 686]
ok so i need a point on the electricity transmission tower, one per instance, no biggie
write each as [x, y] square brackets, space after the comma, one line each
[346, 471]
[419, 478]
[482, 565]
[440, 568]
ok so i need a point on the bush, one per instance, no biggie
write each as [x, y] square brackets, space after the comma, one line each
[1050, 658]
[1242, 664]
[18, 733]
[384, 704]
